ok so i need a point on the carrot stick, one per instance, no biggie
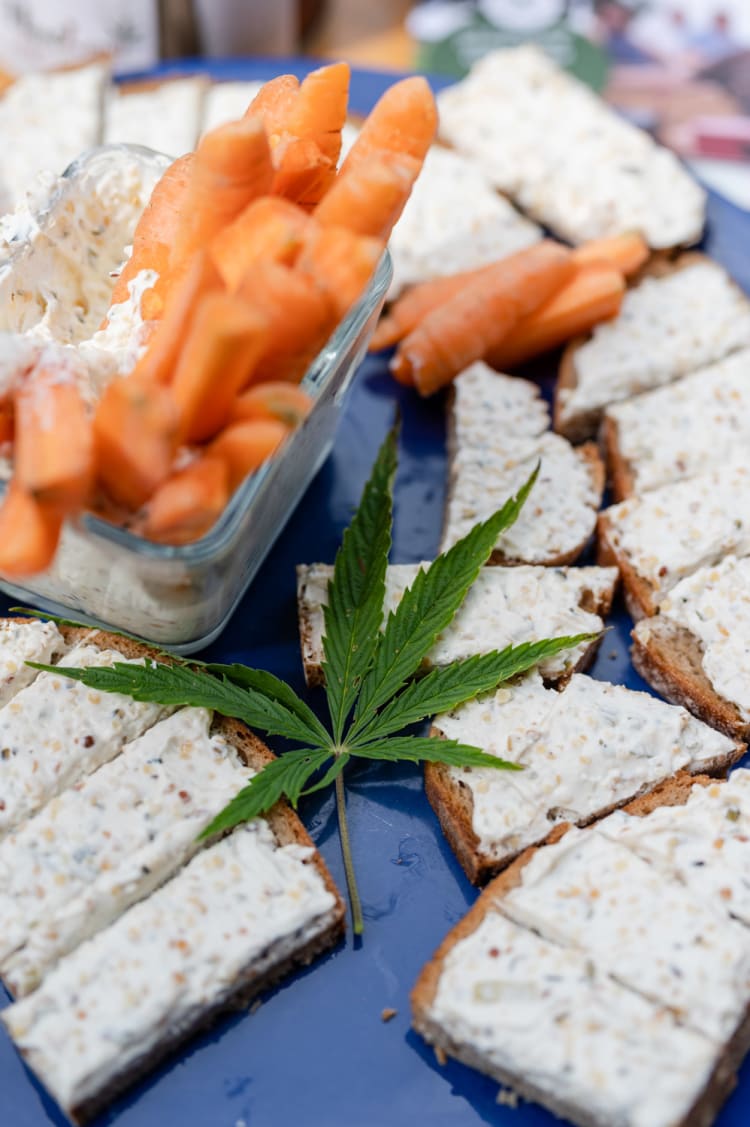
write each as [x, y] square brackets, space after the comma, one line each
[159, 361]
[303, 172]
[272, 400]
[273, 103]
[135, 439]
[157, 227]
[245, 446]
[340, 262]
[370, 198]
[627, 253]
[269, 228]
[224, 341]
[53, 457]
[7, 420]
[593, 294]
[404, 120]
[319, 110]
[188, 503]
[298, 316]
[408, 310]
[29, 533]
[456, 334]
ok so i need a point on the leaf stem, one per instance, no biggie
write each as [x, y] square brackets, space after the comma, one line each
[358, 923]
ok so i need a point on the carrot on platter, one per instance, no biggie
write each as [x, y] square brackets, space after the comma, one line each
[272, 400]
[415, 303]
[404, 120]
[269, 228]
[477, 320]
[53, 455]
[188, 503]
[371, 197]
[244, 446]
[29, 533]
[593, 294]
[223, 343]
[319, 110]
[626, 253]
[135, 439]
[340, 263]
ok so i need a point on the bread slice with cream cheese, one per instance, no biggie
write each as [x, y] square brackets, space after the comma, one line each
[162, 115]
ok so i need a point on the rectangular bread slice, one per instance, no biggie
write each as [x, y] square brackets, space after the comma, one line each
[496, 436]
[55, 731]
[669, 325]
[569, 161]
[696, 650]
[111, 839]
[453, 221]
[505, 606]
[165, 116]
[585, 750]
[670, 532]
[241, 914]
[226, 101]
[675, 432]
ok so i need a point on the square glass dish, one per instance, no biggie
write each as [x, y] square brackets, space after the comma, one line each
[179, 597]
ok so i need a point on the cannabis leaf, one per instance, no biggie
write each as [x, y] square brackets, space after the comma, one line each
[370, 669]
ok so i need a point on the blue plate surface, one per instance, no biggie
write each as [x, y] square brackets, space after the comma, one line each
[316, 1053]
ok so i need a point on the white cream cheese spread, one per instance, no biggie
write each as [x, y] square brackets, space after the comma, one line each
[496, 445]
[109, 841]
[21, 642]
[505, 606]
[454, 220]
[585, 749]
[567, 159]
[573, 1037]
[238, 908]
[687, 428]
[714, 605]
[227, 101]
[56, 730]
[666, 328]
[166, 118]
[672, 531]
[652, 935]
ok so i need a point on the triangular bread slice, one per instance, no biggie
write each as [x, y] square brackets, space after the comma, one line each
[164, 116]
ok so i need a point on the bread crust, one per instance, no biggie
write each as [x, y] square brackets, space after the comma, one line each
[639, 594]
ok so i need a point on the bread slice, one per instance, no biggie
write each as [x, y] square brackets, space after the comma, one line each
[585, 751]
[695, 651]
[504, 606]
[670, 532]
[567, 159]
[691, 316]
[497, 433]
[164, 115]
[226, 101]
[531, 1031]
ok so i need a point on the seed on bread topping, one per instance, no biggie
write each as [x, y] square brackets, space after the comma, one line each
[21, 642]
[109, 840]
[238, 907]
[584, 750]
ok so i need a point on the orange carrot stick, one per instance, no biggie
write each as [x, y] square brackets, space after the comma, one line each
[408, 310]
[53, 457]
[456, 334]
[188, 503]
[626, 253]
[159, 361]
[404, 120]
[245, 446]
[272, 400]
[303, 172]
[224, 342]
[269, 228]
[135, 439]
[273, 103]
[7, 420]
[319, 110]
[340, 262]
[371, 197]
[29, 533]
[593, 294]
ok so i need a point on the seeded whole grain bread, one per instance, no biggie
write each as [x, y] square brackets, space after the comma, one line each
[673, 792]
[637, 591]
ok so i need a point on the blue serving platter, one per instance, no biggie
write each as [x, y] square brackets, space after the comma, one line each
[317, 1052]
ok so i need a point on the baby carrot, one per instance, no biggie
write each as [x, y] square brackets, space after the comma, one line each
[273, 103]
[626, 253]
[593, 294]
[222, 345]
[404, 120]
[135, 439]
[188, 503]
[29, 533]
[53, 456]
[272, 400]
[477, 320]
[269, 228]
[303, 172]
[340, 262]
[7, 420]
[319, 110]
[370, 198]
[244, 446]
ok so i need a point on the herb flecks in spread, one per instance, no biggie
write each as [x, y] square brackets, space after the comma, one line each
[370, 690]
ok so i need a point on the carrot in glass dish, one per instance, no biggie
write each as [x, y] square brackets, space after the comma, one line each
[29, 533]
[340, 262]
[54, 450]
[135, 439]
[273, 400]
[244, 446]
[188, 503]
[404, 120]
[269, 228]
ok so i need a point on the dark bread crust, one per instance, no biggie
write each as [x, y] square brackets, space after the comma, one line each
[619, 471]
[639, 594]
[673, 792]
[669, 657]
